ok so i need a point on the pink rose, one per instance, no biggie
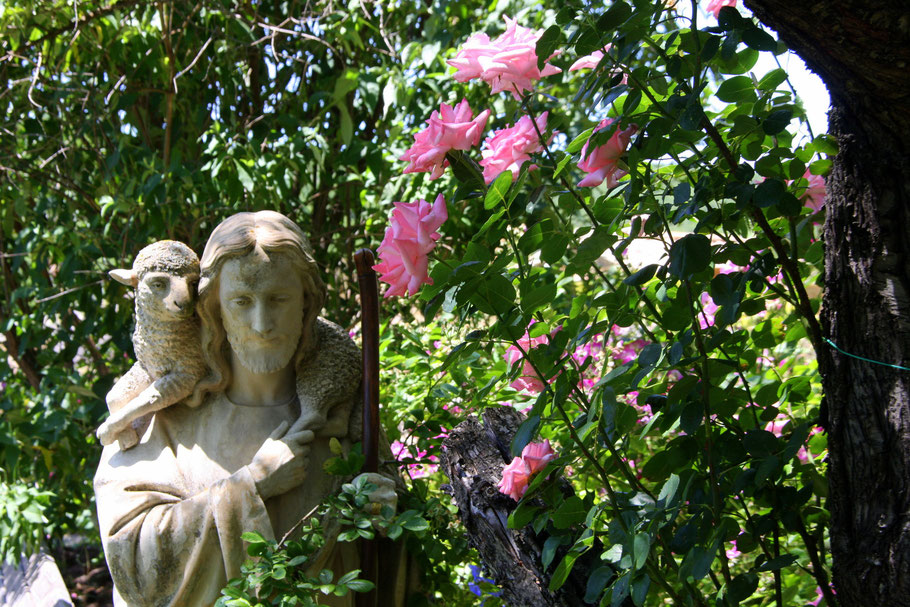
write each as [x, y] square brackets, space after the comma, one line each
[588, 61]
[628, 351]
[408, 240]
[776, 425]
[537, 455]
[814, 196]
[714, 6]
[593, 60]
[511, 147]
[514, 481]
[508, 63]
[448, 129]
[601, 164]
[708, 311]
[529, 380]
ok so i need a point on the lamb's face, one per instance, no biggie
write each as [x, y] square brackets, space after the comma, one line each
[167, 297]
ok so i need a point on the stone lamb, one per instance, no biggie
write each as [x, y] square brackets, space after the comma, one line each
[169, 360]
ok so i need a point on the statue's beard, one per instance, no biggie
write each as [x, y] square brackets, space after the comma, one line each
[259, 359]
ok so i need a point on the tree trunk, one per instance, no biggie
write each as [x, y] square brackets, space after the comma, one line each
[861, 50]
[473, 457]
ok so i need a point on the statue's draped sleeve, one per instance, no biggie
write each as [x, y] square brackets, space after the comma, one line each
[168, 542]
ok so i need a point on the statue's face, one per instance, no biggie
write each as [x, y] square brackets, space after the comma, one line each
[261, 298]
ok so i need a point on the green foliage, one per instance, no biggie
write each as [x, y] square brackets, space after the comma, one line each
[681, 394]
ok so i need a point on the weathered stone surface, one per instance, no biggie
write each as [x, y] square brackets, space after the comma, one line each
[34, 582]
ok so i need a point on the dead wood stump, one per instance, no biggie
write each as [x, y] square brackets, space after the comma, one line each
[474, 456]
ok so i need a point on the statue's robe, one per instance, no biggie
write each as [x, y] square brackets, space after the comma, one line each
[172, 509]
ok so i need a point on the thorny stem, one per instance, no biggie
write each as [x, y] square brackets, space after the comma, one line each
[778, 596]
[818, 570]
[622, 264]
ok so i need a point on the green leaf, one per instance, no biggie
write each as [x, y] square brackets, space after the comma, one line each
[641, 546]
[642, 276]
[640, 586]
[580, 141]
[570, 512]
[494, 294]
[768, 193]
[668, 491]
[562, 571]
[742, 587]
[597, 581]
[593, 247]
[546, 45]
[498, 190]
[618, 13]
[760, 443]
[251, 537]
[361, 585]
[785, 560]
[243, 175]
[759, 39]
[696, 564]
[553, 248]
[416, 523]
[540, 297]
[772, 80]
[737, 89]
[776, 121]
[690, 254]
[549, 549]
[526, 431]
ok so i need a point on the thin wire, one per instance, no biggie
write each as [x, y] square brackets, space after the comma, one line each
[868, 360]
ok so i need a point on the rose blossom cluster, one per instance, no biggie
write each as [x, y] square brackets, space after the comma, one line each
[411, 235]
[450, 128]
[400, 451]
[507, 63]
[515, 476]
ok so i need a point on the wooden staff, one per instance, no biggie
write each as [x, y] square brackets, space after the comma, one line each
[369, 330]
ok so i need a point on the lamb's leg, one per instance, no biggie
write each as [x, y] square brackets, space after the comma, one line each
[164, 391]
[127, 388]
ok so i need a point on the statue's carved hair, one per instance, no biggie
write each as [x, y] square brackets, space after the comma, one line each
[238, 236]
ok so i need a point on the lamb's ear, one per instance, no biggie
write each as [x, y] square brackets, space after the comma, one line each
[124, 277]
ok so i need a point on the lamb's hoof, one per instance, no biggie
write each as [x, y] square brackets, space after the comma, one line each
[106, 434]
[128, 439]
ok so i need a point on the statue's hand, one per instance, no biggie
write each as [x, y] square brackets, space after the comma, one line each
[383, 495]
[281, 462]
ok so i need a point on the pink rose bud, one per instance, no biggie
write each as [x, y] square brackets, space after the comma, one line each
[508, 63]
[714, 6]
[448, 129]
[601, 163]
[537, 455]
[411, 235]
[514, 481]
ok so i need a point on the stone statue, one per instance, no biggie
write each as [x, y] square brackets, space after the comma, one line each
[280, 383]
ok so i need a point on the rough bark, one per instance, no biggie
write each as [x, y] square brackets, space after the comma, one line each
[861, 50]
[474, 456]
